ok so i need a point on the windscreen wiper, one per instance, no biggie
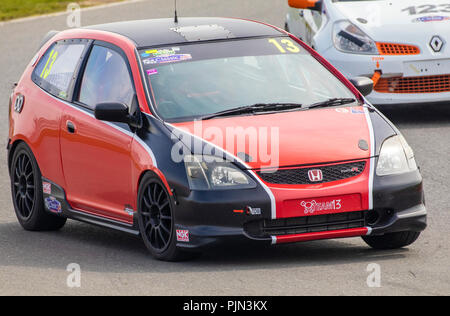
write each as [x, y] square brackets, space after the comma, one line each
[259, 107]
[331, 102]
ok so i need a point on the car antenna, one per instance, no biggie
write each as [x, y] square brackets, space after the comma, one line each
[176, 15]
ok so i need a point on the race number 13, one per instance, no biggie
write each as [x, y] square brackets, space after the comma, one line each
[284, 45]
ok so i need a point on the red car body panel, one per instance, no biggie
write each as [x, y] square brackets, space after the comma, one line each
[305, 137]
[320, 139]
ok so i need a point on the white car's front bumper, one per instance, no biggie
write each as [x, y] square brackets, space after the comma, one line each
[405, 66]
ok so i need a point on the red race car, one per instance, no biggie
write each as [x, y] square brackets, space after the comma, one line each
[205, 130]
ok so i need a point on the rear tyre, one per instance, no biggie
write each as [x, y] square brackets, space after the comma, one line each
[392, 240]
[26, 189]
[156, 220]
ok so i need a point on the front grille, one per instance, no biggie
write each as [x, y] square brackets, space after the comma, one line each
[397, 49]
[305, 224]
[300, 175]
[426, 84]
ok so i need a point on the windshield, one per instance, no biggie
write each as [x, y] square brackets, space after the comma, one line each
[190, 81]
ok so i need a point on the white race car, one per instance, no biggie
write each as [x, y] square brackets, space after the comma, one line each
[403, 45]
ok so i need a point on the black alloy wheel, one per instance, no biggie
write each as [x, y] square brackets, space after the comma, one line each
[24, 190]
[157, 216]
[157, 220]
[27, 195]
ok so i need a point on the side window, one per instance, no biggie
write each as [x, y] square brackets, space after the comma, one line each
[106, 79]
[55, 70]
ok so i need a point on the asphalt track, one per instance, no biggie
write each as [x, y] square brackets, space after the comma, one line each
[114, 263]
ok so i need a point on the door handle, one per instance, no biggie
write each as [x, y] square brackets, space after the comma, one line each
[70, 127]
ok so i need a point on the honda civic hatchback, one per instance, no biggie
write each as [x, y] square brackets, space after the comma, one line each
[200, 131]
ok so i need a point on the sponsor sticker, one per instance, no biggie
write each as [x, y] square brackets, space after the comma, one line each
[129, 210]
[163, 52]
[342, 110]
[436, 18]
[312, 206]
[53, 205]
[167, 59]
[182, 235]
[151, 72]
[322, 205]
[253, 211]
[47, 187]
[357, 111]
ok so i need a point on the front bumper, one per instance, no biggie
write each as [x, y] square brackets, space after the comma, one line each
[354, 65]
[210, 218]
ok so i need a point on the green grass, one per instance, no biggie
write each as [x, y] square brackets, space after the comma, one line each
[13, 9]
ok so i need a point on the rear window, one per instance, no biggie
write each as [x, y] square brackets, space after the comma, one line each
[56, 70]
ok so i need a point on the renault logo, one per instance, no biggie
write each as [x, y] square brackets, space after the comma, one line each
[436, 44]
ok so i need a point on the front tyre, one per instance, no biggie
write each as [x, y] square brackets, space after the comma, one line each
[157, 221]
[26, 189]
[392, 240]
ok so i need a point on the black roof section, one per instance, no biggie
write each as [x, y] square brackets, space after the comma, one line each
[159, 32]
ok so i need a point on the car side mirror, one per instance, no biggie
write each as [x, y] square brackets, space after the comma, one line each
[112, 112]
[315, 5]
[363, 84]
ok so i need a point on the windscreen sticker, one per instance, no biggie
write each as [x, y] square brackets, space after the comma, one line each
[285, 45]
[167, 59]
[151, 72]
[160, 52]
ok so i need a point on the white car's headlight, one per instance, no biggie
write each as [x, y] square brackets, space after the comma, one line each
[395, 157]
[348, 38]
[212, 173]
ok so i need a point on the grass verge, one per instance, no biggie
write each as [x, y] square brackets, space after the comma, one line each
[13, 9]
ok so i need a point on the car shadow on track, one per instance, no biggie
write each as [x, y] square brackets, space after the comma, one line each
[431, 114]
[102, 250]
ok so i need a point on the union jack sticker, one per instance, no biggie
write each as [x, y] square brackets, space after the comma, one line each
[47, 187]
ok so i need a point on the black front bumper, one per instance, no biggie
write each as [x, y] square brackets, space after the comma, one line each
[398, 205]
[399, 202]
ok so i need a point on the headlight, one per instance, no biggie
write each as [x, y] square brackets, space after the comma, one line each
[348, 38]
[395, 157]
[212, 173]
